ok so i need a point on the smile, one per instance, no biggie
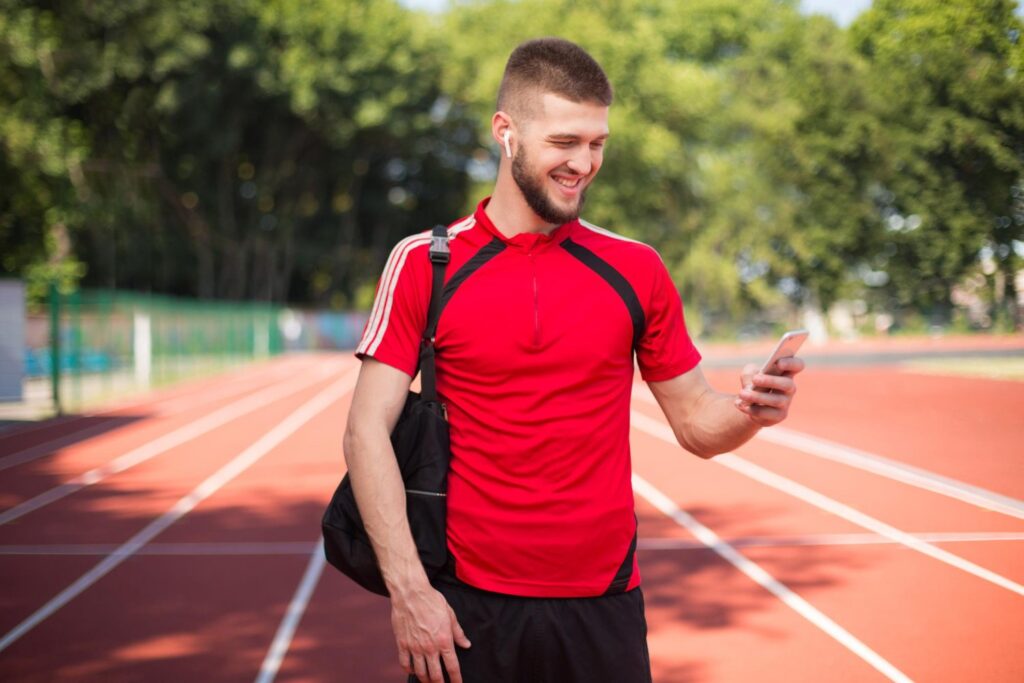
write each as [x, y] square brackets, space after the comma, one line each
[567, 182]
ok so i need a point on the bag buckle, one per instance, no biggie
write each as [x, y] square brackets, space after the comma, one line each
[439, 252]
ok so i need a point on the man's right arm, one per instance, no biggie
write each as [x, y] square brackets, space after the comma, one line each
[425, 626]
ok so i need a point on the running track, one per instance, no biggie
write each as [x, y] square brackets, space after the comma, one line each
[877, 536]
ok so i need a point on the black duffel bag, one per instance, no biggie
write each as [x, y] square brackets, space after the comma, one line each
[421, 444]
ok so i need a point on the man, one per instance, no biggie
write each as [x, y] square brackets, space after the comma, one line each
[535, 353]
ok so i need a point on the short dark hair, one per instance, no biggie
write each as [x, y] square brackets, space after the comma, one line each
[551, 65]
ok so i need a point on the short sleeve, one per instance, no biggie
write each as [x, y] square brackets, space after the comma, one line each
[665, 349]
[399, 314]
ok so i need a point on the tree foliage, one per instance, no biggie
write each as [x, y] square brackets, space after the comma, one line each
[276, 149]
[235, 149]
[951, 109]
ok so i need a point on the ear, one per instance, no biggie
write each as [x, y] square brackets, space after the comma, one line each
[502, 131]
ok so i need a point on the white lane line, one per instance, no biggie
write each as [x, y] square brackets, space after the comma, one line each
[826, 540]
[754, 571]
[164, 443]
[181, 404]
[908, 474]
[320, 402]
[662, 431]
[286, 631]
[190, 549]
[111, 418]
[153, 398]
[819, 500]
[877, 464]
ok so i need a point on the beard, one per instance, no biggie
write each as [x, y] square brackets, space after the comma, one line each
[536, 196]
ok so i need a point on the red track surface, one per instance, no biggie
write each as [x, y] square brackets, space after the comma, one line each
[203, 599]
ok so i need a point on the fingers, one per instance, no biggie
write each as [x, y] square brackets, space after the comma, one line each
[403, 661]
[420, 667]
[791, 365]
[762, 415]
[460, 636]
[451, 665]
[765, 398]
[779, 383]
[747, 376]
[434, 669]
[426, 632]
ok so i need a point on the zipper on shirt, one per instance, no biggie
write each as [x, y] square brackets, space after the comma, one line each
[536, 304]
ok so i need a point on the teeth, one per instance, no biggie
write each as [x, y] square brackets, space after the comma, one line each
[566, 183]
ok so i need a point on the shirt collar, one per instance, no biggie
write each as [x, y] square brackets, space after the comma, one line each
[524, 240]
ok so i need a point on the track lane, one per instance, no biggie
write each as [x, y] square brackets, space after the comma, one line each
[66, 457]
[815, 572]
[769, 584]
[121, 474]
[906, 508]
[125, 502]
[959, 427]
[154, 401]
[929, 619]
[708, 622]
[128, 502]
[309, 408]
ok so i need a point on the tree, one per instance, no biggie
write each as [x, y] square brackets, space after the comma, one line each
[41, 152]
[951, 100]
[236, 149]
[741, 139]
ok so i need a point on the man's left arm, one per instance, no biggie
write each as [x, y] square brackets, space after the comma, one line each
[708, 422]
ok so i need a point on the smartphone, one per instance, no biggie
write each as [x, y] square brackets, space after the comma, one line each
[786, 348]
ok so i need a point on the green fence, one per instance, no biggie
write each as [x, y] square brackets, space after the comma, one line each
[96, 344]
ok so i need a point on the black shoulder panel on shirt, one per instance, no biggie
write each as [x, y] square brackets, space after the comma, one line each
[485, 254]
[614, 278]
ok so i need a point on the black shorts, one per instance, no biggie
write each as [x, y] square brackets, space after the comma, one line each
[550, 640]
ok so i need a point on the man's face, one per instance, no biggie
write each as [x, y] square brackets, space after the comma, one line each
[560, 150]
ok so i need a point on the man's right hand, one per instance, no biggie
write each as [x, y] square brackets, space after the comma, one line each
[426, 632]
[426, 629]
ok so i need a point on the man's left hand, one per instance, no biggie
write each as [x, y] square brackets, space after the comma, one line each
[765, 399]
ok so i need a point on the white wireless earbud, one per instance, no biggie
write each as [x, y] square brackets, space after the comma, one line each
[508, 147]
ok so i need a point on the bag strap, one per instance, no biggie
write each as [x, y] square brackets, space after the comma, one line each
[439, 257]
[617, 281]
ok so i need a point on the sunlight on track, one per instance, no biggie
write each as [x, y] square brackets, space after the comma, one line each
[164, 443]
[289, 425]
[769, 478]
[876, 464]
[283, 638]
[907, 474]
[662, 431]
[706, 536]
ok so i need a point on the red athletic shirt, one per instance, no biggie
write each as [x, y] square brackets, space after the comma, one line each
[535, 364]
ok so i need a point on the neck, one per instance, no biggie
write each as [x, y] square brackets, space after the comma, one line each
[509, 211]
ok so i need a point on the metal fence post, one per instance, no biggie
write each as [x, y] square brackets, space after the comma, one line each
[55, 347]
